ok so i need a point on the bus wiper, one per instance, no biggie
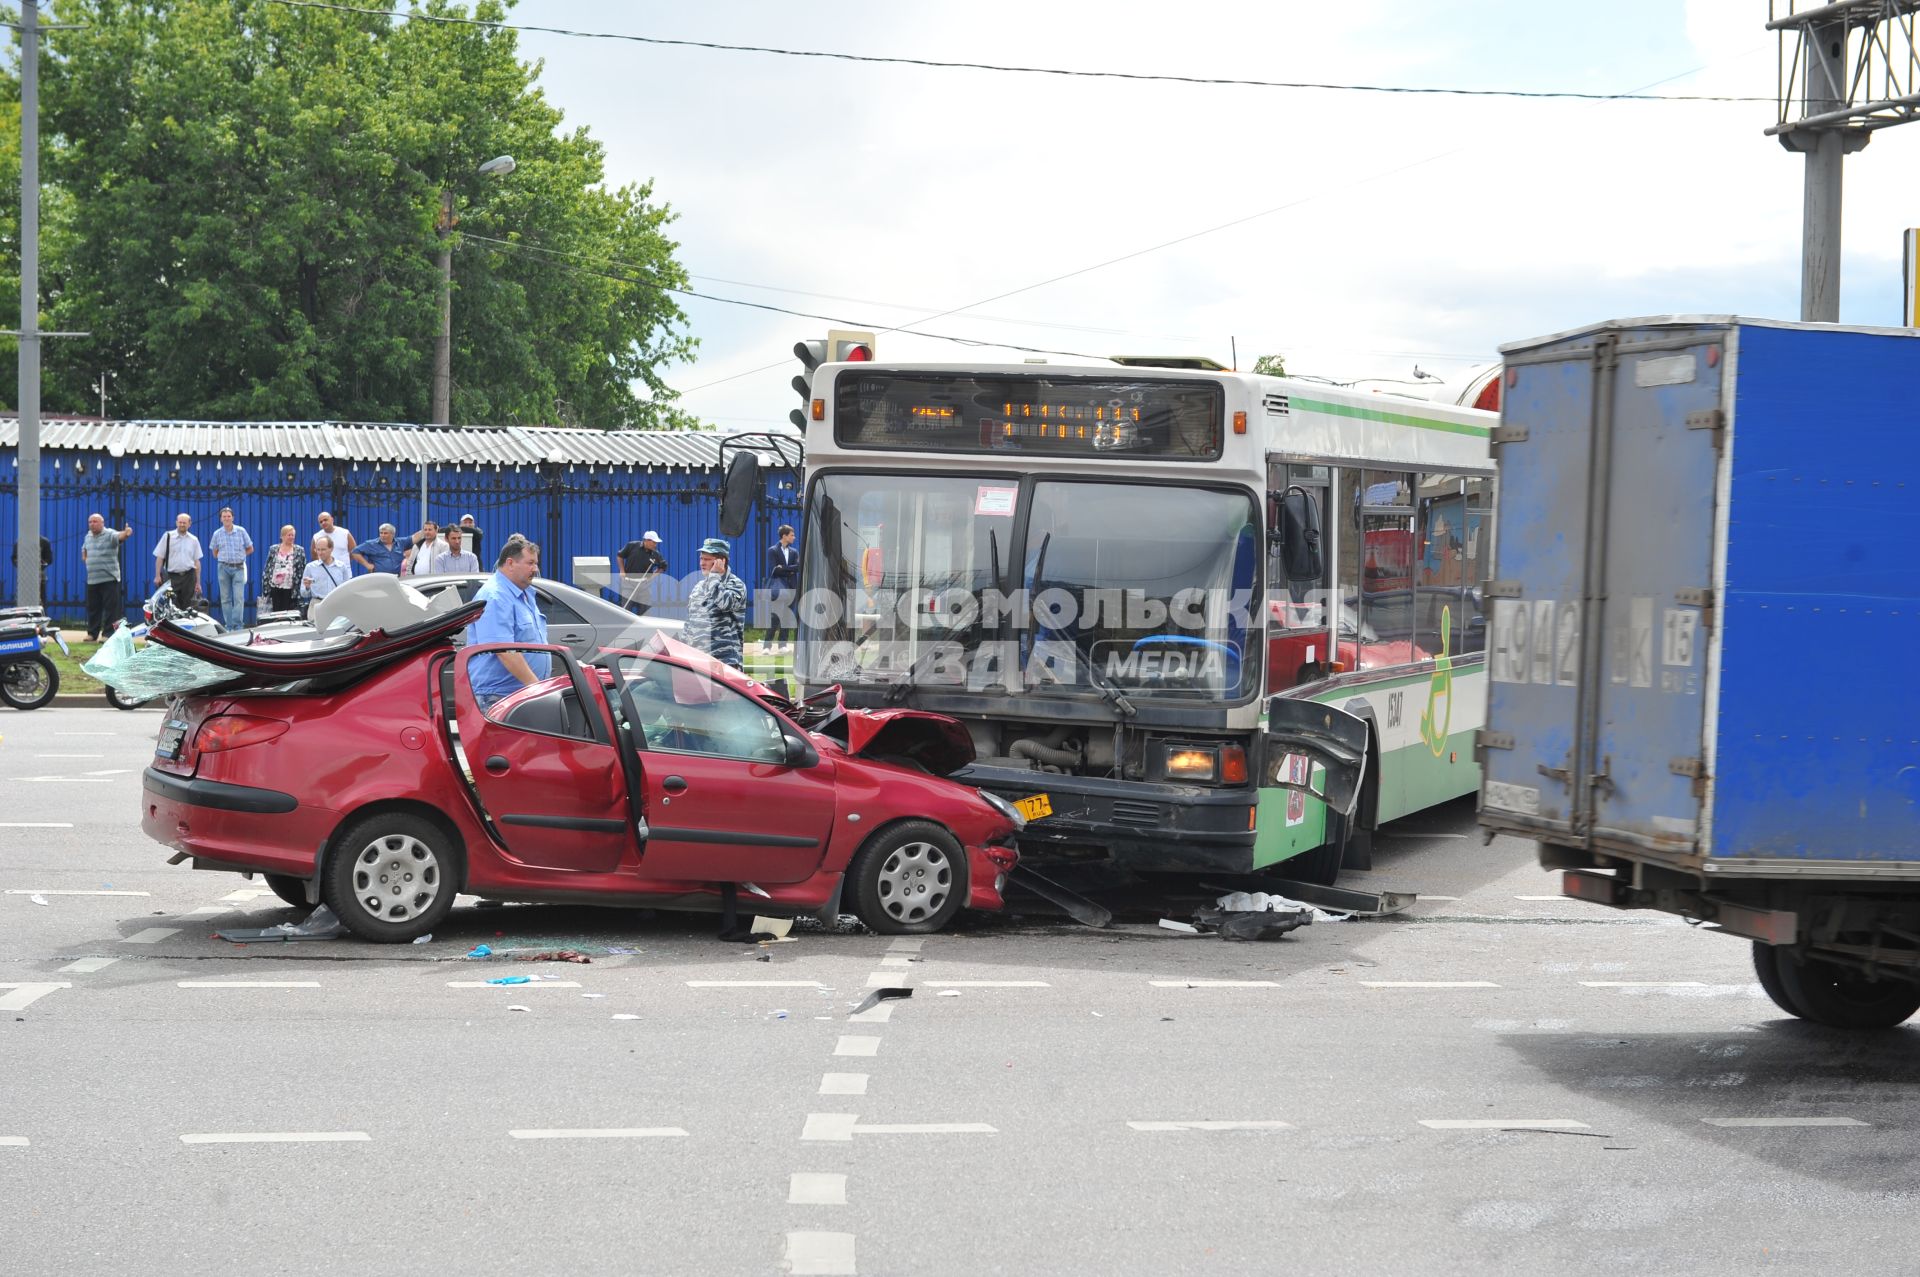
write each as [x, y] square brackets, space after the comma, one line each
[1109, 692]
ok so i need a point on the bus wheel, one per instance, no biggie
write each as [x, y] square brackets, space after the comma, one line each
[1830, 994]
[1318, 867]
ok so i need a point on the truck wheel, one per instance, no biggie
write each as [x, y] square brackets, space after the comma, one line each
[391, 877]
[1830, 994]
[1766, 966]
[908, 880]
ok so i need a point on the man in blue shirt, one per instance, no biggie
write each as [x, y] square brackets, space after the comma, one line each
[231, 545]
[382, 555]
[512, 616]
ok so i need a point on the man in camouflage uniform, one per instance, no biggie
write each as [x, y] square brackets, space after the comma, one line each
[717, 606]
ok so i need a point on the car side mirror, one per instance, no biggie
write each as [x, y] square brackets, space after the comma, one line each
[800, 753]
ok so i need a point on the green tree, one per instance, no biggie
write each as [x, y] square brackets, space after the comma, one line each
[250, 231]
[1271, 365]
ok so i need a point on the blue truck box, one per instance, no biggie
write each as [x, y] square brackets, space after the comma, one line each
[1706, 527]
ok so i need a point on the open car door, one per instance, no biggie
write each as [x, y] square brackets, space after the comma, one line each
[541, 762]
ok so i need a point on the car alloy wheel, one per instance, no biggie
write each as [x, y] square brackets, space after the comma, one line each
[909, 879]
[392, 876]
[396, 878]
[914, 882]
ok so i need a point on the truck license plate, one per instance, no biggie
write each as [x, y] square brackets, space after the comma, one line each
[1037, 807]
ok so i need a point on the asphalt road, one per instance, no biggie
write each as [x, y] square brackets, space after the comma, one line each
[1498, 1081]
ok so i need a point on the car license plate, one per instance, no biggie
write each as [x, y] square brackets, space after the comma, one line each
[171, 736]
[1037, 807]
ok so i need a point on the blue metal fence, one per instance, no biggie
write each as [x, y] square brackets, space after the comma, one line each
[570, 510]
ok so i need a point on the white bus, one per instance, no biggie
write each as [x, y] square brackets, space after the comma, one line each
[1124, 579]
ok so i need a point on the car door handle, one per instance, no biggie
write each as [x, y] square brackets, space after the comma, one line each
[497, 765]
[674, 784]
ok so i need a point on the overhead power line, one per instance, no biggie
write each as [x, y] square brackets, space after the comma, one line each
[1012, 69]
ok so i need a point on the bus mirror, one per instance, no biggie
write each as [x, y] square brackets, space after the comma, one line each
[736, 498]
[1297, 528]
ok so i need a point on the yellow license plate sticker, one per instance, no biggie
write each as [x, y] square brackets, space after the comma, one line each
[1037, 807]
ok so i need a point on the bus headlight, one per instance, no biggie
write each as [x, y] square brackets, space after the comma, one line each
[1191, 764]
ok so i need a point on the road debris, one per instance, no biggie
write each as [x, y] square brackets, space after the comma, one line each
[1185, 928]
[553, 955]
[480, 951]
[319, 925]
[37, 898]
[511, 979]
[949, 993]
[515, 1006]
[878, 996]
[423, 939]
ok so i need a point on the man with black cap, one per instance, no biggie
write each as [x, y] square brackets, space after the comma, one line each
[717, 606]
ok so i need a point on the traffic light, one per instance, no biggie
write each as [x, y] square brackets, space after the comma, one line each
[842, 346]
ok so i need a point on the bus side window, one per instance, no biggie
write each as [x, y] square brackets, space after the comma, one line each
[1386, 569]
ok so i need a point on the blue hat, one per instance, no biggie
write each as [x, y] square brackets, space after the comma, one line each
[716, 546]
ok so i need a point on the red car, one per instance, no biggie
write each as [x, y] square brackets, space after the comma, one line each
[358, 768]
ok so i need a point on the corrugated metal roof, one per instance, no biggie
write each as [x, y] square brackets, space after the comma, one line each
[378, 441]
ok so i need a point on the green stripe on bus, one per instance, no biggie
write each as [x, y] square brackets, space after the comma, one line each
[1390, 418]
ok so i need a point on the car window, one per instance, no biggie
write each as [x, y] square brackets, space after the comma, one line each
[681, 711]
[556, 611]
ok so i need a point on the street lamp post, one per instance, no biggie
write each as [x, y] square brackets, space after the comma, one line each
[442, 413]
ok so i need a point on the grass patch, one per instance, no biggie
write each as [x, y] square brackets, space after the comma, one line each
[72, 677]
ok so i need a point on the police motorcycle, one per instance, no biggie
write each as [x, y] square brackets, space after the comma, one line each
[28, 678]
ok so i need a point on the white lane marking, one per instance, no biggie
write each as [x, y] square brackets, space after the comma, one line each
[35, 824]
[906, 944]
[753, 984]
[278, 1137]
[986, 984]
[843, 1084]
[1214, 984]
[247, 984]
[75, 756]
[13, 1141]
[70, 780]
[84, 966]
[896, 959]
[1543, 897]
[1783, 1121]
[245, 894]
[1641, 984]
[1424, 896]
[873, 1015]
[111, 771]
[1428, 984]
[515, 988]
[48, 891]
[204, 910]
[25, 995]
[839, 1128]
[1211, 1126]
[152, 935]
[86, 733]
[602, 1133]
[813, 1188]
[1503, 1124]
[820, 1254]
[857, 1046]
[887, 979]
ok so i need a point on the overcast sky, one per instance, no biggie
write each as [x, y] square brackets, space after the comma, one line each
[1381, 231]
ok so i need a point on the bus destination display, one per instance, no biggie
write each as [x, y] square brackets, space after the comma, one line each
[1070, 416]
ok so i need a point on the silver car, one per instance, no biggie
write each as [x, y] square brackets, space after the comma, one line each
[581, 622]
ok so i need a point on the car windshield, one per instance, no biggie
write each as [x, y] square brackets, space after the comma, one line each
[1053, 587]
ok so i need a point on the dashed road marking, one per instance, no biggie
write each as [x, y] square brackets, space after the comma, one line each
[602, 1133]
[247, 984]
[85, 966]
[25, 995]
[35, 824]
[152, 935]
[1211, 1126]
[886, 979]
[1782, 1121]
[1641, 984]
[857, 1046]
[207, 910]
[86, 733]
[896, 959]
[754, 984]
[879, 1014]
[279, 1137]
[514, 988]
[1429, 984]
[69, 780]
[45, 891]
[1214, 984]
[841, 1127]
[71, 756]
[843, 1084]
[907, 944]
[245, 894]
[814, 1188]
[1503, 1124]
[986, 984]
[820, 1254]
[13, 1141]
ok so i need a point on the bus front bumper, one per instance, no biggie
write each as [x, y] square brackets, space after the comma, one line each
[1131, 824]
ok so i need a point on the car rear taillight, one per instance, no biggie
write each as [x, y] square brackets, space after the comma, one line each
[235, 731]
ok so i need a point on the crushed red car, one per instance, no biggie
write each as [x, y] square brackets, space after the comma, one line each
[354, 765]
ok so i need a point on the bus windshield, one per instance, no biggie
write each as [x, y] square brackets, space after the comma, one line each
[1051, 587]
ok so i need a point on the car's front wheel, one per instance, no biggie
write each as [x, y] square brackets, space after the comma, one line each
[392, 877]
[910, 879]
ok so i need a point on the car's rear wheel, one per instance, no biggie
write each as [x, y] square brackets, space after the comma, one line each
[391, 877]
[289, 888]
[29, 684]
[910, 879]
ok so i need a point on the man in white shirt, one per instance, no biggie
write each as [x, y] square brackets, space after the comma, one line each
[177, 559]
[343, 541]
[428, 545]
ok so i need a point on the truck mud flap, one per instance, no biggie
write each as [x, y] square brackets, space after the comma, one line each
[1329, 737]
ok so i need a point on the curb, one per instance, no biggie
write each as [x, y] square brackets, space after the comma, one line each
[84, 700]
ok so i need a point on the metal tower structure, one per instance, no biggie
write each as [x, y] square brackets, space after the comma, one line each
[1845, 70]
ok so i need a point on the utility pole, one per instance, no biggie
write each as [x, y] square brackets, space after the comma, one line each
[1851, 68]
[443, 344]
[27, 544]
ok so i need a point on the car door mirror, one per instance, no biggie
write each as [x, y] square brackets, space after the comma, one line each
[800, 753]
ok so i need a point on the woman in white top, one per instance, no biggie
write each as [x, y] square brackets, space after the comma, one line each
[323, 576]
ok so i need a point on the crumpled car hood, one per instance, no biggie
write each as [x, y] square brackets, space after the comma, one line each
[934, 741]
